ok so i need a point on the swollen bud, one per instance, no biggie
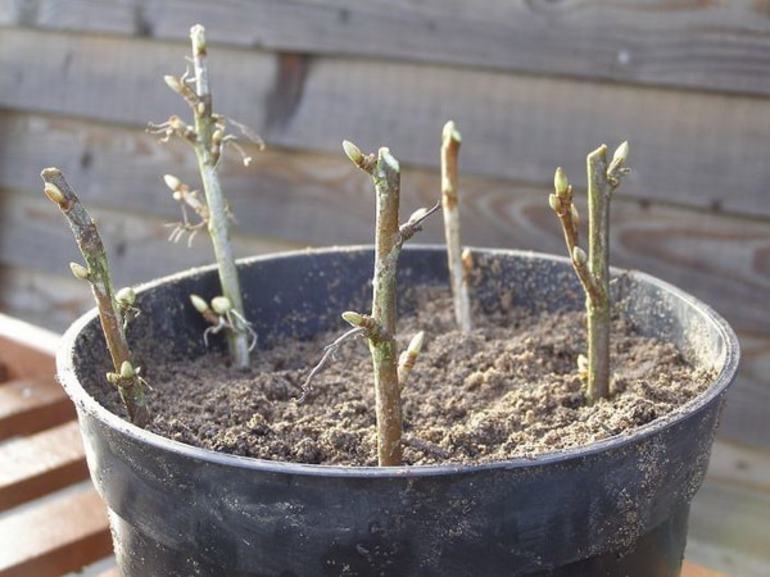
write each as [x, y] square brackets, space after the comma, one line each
[417, 215]
[127, 370]
[173, 83]
[353, 318]
[415, 345]
[353, 152]
[560, 182]
[79, 271]
[579, 255]
[172, 182]
[126, 296]
[621, 153]
[574, 215]
[200, 305]
[221, 305]
[54, 193]
[554, 202]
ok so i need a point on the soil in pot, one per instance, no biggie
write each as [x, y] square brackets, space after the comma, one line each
[508, 389]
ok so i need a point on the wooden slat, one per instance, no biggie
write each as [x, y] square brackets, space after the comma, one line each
[728, 519]
[45, 299]
[54, 537]
[721, 46]
[31, 405]
[138, 246]
[40, 464]
[516, 127]
[691, 570]
[25, 350]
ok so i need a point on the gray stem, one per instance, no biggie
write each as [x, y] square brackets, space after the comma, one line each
[208, 150]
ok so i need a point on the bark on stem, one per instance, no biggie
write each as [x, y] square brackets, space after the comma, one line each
[450, 146]
[387, 181]
[598, 304]
[97, 273]
[207, 150]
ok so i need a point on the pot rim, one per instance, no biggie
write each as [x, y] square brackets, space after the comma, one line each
[85, 402]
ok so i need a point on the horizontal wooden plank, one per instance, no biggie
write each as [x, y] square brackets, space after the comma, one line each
[25, 350]
[55, 536]
[45, 299]
[40, 464]
[692, 570]
[516, 127]
[722, 46]
[31, 405]
[138, 246]
[728, 519]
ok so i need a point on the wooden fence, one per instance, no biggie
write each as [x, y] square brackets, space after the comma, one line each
[532, 84]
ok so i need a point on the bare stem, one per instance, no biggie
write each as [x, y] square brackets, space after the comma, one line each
[387, 182]
[450, 147]
[598, 307]
[381, 325]
[97, 273]
[208, 149]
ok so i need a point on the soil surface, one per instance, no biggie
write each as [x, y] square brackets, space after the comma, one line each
[508, 389]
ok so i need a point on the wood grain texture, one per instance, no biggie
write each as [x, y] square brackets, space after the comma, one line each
[704, 150]
[728, 517]
[33, 466]
[55, 536]
[25, 350]
[721, 46]
[31, 405]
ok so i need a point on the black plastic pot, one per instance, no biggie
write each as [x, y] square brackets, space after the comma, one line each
[614, 508]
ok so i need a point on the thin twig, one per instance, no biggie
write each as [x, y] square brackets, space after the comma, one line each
[329, 351]
[97, 272]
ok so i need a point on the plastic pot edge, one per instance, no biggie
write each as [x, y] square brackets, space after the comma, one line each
[85, 402]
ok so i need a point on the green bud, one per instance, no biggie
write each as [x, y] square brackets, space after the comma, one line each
[560, 182]
[579, 255]
[353, 152]
[353, 318]
[621, 154]
[127, 370]
[113, 378]
[554, 202]
[574, 214]
[415, 345]
[221, 305]
[54, 193]
[126, 296]
[79, 271]
[200, 305]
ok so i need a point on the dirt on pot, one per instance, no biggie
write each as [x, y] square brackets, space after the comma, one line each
[508, 389]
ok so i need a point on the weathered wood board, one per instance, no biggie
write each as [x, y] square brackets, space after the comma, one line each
[704, 150]
[721, 46]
